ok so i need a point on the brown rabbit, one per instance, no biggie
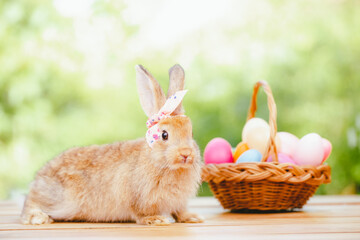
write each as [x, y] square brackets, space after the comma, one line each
[124, 181]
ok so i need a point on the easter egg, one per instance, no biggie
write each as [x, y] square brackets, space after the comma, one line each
[240, 149]
[256, 134]
[282, 158]
[218, 150]
[327, 148]
[286, 143]
[310, 150]
[251, 155]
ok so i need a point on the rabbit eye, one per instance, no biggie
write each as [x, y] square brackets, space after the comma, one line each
[165, 135]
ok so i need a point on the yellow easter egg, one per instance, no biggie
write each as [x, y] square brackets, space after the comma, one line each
[256, 133]
[240, 148]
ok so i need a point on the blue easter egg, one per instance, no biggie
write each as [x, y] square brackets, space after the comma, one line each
[251, 155]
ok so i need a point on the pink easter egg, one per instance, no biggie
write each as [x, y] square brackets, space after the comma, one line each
[327, 148]
[286, 143]
[217, 151]
[283, 158]
[310, 150]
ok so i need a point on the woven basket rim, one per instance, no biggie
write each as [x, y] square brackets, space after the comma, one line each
[270, 171]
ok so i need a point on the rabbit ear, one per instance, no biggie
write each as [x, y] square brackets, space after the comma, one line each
[152, 98]
[177, 80]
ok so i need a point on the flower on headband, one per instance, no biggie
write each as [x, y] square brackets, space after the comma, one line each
[153, 134]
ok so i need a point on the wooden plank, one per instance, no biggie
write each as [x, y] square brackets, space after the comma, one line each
[10, 221]
[334, 217]
[174, 233]
[267, 227]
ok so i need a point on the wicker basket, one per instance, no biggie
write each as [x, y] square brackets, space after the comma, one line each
[265, 185]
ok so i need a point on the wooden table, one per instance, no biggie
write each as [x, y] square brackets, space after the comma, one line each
[324, 217]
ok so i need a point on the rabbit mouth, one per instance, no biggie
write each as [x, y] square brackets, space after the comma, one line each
[182, 161]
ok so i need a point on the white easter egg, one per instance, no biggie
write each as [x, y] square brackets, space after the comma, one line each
[256, 133]
[310, 150]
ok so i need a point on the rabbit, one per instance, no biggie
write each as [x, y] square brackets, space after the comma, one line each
[126, 181]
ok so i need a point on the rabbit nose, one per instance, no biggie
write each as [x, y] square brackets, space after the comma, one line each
[185, 152]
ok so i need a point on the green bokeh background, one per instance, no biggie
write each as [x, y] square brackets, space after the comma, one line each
[67, 74]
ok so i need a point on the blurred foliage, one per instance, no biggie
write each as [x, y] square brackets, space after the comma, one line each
[67, 74]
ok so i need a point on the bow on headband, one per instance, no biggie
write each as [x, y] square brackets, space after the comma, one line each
[153, 133]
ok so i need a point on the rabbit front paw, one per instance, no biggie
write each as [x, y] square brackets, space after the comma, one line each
[36, 217]
[156, 220]
[186, 217]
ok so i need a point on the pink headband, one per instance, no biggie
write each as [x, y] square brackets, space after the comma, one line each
[154, 134]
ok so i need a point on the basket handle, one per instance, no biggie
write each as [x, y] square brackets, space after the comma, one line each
[272, 116]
